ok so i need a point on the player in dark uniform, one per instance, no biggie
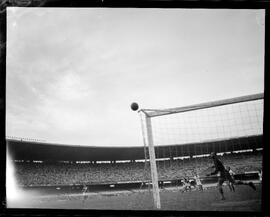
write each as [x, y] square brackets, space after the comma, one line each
[224, 175]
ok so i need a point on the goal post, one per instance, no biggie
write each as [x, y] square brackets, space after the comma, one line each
[153, 166]
[217, 125]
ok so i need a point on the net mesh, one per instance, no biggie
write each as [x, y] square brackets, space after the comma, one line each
[210, 124]
[220, 128]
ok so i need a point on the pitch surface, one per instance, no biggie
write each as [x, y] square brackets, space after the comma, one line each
[244, 199]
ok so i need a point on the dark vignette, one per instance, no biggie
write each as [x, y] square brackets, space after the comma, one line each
[230, 4]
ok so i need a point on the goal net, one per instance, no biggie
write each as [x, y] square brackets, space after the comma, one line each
[220, 122]
[224, 126]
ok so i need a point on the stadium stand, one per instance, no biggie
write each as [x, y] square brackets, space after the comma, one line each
[39, 164]
[56, 173]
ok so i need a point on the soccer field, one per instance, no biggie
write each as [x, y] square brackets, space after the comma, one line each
[244, 199]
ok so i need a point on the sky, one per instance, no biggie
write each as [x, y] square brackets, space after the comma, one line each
[73, 73]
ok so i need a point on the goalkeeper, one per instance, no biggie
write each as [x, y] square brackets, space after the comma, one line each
[223, 175]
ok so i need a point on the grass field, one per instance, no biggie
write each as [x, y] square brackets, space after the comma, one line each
[244, 199]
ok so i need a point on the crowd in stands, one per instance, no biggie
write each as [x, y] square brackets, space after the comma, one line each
[33, 174]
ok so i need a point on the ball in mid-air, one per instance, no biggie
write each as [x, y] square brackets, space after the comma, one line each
[134, 106]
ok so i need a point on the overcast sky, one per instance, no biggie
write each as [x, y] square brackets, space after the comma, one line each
[73, 73]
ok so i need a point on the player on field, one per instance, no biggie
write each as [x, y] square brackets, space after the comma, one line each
[84, 191]
[230, 183]
[260, 175]
[198, 182]
[186, 185]
[230, 171]
[224, 175]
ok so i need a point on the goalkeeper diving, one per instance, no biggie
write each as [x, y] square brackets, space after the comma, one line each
[224, 175]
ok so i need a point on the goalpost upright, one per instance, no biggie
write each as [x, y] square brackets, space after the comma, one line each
[150, 113]
[154, 174]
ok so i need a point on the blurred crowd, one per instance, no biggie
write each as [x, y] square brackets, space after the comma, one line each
[33, 174]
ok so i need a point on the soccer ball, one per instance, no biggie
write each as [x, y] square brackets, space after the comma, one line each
[134, 106]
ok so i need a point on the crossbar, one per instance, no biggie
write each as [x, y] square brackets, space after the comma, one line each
[155, 113]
